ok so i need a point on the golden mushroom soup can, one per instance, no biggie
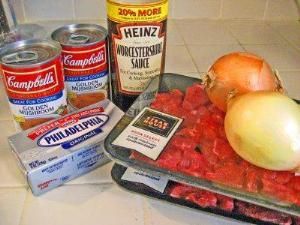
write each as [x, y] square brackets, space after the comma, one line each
[137, 33]
[34, 81]
[84, 51]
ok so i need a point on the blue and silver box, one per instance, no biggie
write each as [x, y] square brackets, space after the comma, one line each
[62, 149]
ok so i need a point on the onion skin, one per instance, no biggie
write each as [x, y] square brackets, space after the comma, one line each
[264, 129]
[239, 73]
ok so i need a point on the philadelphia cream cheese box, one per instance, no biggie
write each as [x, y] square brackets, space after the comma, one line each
[62, 149]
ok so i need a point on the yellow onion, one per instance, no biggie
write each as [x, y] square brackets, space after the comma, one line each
[239, 73]
[264, 129]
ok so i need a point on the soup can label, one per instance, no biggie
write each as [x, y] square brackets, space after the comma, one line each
[84, 51]
[138, 43]
[86, 73]
[35, 93]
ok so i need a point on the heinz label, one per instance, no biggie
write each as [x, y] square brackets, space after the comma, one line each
[138, 51]
[37, 94]
[138, 43]
[86, 73]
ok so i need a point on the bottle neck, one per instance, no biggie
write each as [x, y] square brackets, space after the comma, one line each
[136, 1]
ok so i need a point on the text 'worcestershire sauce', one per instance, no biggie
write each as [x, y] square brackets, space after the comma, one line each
[137, 32]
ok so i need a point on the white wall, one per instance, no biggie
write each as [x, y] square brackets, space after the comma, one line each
[38, 10]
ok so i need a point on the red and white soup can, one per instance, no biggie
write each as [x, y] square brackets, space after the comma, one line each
[34, 81]
[84, 51]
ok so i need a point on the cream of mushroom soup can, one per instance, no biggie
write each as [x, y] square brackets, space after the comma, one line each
[85, 60]
[34, 81]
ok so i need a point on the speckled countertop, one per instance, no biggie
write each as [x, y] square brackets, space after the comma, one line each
[93, 199]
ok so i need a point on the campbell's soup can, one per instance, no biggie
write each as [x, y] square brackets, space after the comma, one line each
[137, 34]
[84, 51]
[34, 81]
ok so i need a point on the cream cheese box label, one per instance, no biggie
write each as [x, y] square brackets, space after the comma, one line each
[65, 148]
[75, 132]
[149, 132]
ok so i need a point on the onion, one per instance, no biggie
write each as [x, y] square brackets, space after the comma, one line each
[264, 129]
[239, 73]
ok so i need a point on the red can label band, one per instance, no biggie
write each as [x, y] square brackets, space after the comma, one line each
[34, 83]
[86, 74]
[35, 94]
[85, 63]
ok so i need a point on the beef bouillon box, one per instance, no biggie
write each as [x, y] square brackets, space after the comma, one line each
[62, 149]
[173, 130]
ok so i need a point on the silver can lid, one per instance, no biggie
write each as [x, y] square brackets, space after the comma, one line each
[29, 53]
[78, 35]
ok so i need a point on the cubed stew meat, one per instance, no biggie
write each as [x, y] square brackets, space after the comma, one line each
[199, 148]
[206, 199]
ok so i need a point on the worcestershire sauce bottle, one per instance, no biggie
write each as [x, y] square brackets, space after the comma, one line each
[137, 32]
